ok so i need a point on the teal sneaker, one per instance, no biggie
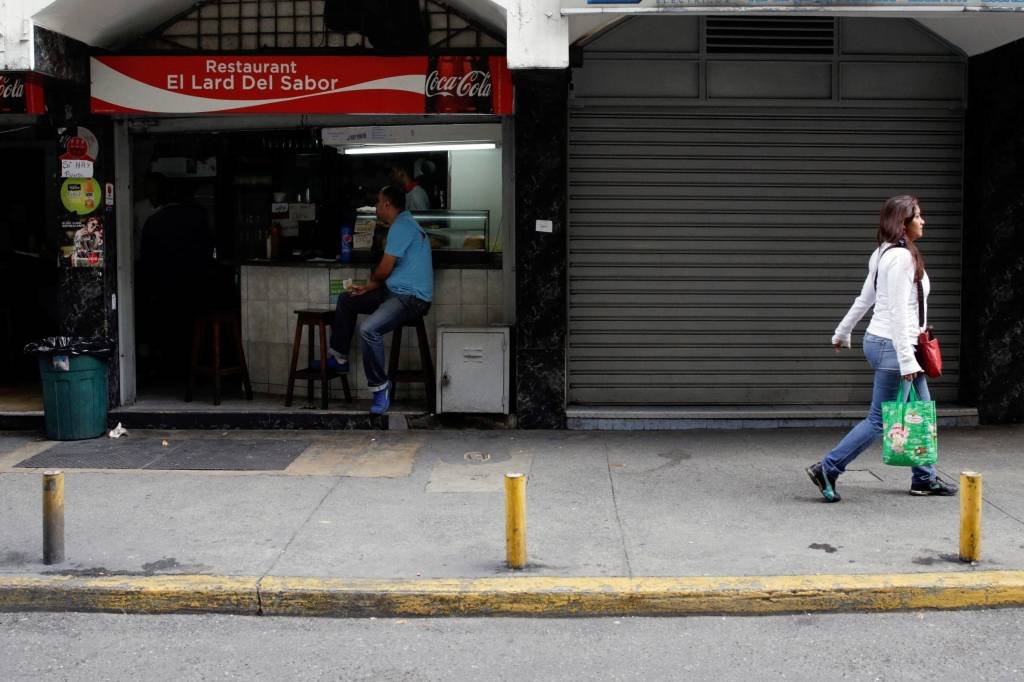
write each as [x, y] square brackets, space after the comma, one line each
[826, 484]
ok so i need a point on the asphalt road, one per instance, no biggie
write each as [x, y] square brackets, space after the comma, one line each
[974, 645]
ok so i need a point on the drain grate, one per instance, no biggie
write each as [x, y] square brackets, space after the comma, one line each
[234, 455]
[477, 457]
[100, 454]
[183, 455]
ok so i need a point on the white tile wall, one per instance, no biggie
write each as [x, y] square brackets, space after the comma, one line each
[474, 287]
[474, 315]
[271, 294]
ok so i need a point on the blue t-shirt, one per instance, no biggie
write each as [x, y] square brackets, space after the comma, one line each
[414, 271]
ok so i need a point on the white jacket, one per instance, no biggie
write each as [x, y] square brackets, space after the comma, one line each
[895, 301]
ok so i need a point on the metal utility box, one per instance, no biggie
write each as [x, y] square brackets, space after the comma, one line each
[473, 369]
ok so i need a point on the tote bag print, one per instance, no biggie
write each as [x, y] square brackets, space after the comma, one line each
[909, 436]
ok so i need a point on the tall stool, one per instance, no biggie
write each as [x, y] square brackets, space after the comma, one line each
[425, 373]
[215, 324]
[319, 320]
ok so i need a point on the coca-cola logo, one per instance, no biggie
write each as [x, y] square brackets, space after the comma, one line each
[471, 84]
[12, 88]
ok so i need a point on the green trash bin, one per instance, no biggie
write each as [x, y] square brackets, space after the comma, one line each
[74, 388]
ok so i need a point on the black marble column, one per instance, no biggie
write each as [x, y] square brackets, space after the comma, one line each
[993, 304]
[541, 186]
[85, 296]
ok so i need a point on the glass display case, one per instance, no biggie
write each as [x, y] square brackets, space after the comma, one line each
[448, 230]
[456, 230]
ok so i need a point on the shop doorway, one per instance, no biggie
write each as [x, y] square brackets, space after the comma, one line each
[28, 264]
[274, 200]
[182, 255]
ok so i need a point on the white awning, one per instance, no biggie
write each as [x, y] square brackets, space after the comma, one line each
[111, 23]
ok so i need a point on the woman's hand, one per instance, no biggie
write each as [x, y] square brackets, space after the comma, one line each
[838, 345]
[911, 376]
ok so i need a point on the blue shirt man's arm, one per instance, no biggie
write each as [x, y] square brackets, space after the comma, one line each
[384, 268]
[394, 248]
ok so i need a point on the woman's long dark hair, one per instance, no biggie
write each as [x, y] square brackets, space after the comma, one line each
[897, 212]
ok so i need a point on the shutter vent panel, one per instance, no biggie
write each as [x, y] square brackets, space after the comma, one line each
[769, 35]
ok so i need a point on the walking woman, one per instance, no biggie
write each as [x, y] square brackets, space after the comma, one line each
[894, 270]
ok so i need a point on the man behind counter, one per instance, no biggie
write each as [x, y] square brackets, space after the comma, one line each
[416, 198]
[400, 290]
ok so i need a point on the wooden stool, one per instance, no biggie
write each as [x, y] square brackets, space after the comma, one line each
[426, 371]
[320, 319]
[217, 322]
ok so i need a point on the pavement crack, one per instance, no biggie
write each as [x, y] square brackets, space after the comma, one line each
[298, 530]
[1000, 509]
[989, 502]
[618, 517]
[259, 596]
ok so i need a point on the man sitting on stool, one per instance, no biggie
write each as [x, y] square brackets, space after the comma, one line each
[400, 290]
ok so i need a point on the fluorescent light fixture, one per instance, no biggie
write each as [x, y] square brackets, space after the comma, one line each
[414, 148]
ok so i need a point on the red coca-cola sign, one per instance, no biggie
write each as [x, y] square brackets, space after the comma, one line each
[21, 93]
[219, 84]
[460, 84]
[472, 84]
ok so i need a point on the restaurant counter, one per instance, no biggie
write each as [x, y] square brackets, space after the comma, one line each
[441, 259]
[271, 292]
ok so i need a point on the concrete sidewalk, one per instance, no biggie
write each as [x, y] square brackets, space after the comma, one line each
[381, 509]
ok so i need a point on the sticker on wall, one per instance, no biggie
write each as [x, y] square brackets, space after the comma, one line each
[108, 194]
[80, 151]
[68, 229]
[87, 244]
[81, 195]
[336, 287]
[76, 168]
[79, 143]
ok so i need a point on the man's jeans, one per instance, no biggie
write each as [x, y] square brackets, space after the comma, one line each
[881, 355]
[386, 312]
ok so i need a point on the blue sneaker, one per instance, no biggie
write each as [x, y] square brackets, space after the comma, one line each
[332, 363]
[381, 400]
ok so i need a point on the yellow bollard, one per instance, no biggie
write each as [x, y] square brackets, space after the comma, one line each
[970, 516]
[515, 520]
[53, 517]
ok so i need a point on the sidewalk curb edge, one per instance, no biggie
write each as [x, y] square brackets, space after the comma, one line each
[512, 596]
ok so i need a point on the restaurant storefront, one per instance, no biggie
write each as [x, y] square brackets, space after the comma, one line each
[279, 153]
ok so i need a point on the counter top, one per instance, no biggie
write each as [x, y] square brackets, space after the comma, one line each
[462, 260]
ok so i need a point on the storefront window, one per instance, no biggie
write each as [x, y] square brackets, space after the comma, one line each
[453, 182]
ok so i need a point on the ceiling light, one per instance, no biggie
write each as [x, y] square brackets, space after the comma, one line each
[415, 148]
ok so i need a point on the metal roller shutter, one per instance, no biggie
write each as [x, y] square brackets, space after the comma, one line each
[712, 251]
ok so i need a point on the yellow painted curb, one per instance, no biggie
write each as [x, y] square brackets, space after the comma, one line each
[131, 594]
[513, 596]
[539, 596]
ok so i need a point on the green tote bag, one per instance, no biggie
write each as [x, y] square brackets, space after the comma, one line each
[909, 430]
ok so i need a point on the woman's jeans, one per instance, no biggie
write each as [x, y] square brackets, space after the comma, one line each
[881, 355]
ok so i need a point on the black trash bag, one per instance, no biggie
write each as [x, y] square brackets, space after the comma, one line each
[71, 345]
